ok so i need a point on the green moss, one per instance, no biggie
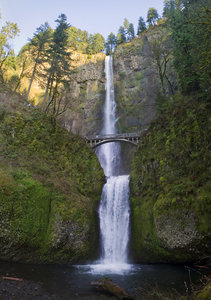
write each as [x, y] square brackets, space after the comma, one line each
[171, 173]
[46, 174]
[204, 294]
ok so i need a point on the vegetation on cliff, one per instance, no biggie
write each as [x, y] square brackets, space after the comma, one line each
[170, 185]
[50, 185]
[170, 179]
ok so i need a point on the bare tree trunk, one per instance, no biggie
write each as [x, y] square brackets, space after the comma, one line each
[21, 75]
[46, 96]
[33, 73]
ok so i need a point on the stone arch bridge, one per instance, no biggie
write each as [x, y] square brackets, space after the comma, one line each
[97, 140]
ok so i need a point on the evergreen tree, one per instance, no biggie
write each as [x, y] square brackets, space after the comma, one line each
[59, 68]
[89, 49]
[111, 43]
[7, 56]
[121, 36]
[73, 37]
[83, 40]
[131, 32]
[98, 43]
[141, 25]
[152, 16]
[190, 24]
[126, 25]
[38, 48]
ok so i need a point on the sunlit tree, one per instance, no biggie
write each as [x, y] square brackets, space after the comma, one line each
[152, 16]
[98, 42]
[59, 69]
[38, 47]
[121, 36]
[7, 56]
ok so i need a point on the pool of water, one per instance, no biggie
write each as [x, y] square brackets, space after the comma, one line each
[75, 280]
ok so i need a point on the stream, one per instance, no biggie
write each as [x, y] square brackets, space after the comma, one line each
[73, 282]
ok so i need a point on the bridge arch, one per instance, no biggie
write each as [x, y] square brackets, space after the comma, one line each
[93, 146]
[95, 141]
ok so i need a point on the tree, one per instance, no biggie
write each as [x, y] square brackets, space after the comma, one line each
[38, 44]
[7, 32]
[83, 38]
[89, 48]
[98, 43]
[111, 43]
[190, 23]
[58, 70]
[152, 16]
[126, 25]
[141, 25]
[159, 50]
[121, 36]
[131, 32]
[23, 62]
[168, 5]
[73, 37]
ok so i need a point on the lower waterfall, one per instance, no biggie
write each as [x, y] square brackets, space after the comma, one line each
[114, 219]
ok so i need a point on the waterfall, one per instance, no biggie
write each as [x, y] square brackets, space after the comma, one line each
[114, 205]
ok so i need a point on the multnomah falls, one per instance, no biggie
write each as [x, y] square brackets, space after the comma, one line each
[105, 151]
[114, 205]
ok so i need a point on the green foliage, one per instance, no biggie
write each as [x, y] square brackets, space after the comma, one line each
[131, 32]
[159, 50]
[57, 73]
[171, 173]
[98, 43]
[111, 44]
[7, 32]
[121, 36]
[126, 32]
[190, 25]
[37, 48]
[81, 40]
[152, 16]
[42, 178]
[141, 25]
[23, 64]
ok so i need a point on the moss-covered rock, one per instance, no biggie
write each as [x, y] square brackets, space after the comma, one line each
[50, 187]
[170, 186]
[204, 294]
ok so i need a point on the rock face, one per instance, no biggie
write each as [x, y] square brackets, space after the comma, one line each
[137, 78]
[170, 187]
[137, 83]
[87, 94]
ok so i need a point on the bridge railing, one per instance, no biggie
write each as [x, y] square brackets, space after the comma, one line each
[114, 135]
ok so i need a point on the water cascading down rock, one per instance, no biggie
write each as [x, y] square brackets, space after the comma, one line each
[114, 207]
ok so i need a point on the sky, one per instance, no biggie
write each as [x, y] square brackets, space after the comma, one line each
[91, 15]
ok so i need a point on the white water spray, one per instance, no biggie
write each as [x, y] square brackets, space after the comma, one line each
[114, 206]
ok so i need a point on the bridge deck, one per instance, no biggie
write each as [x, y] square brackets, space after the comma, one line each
[113, 136]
